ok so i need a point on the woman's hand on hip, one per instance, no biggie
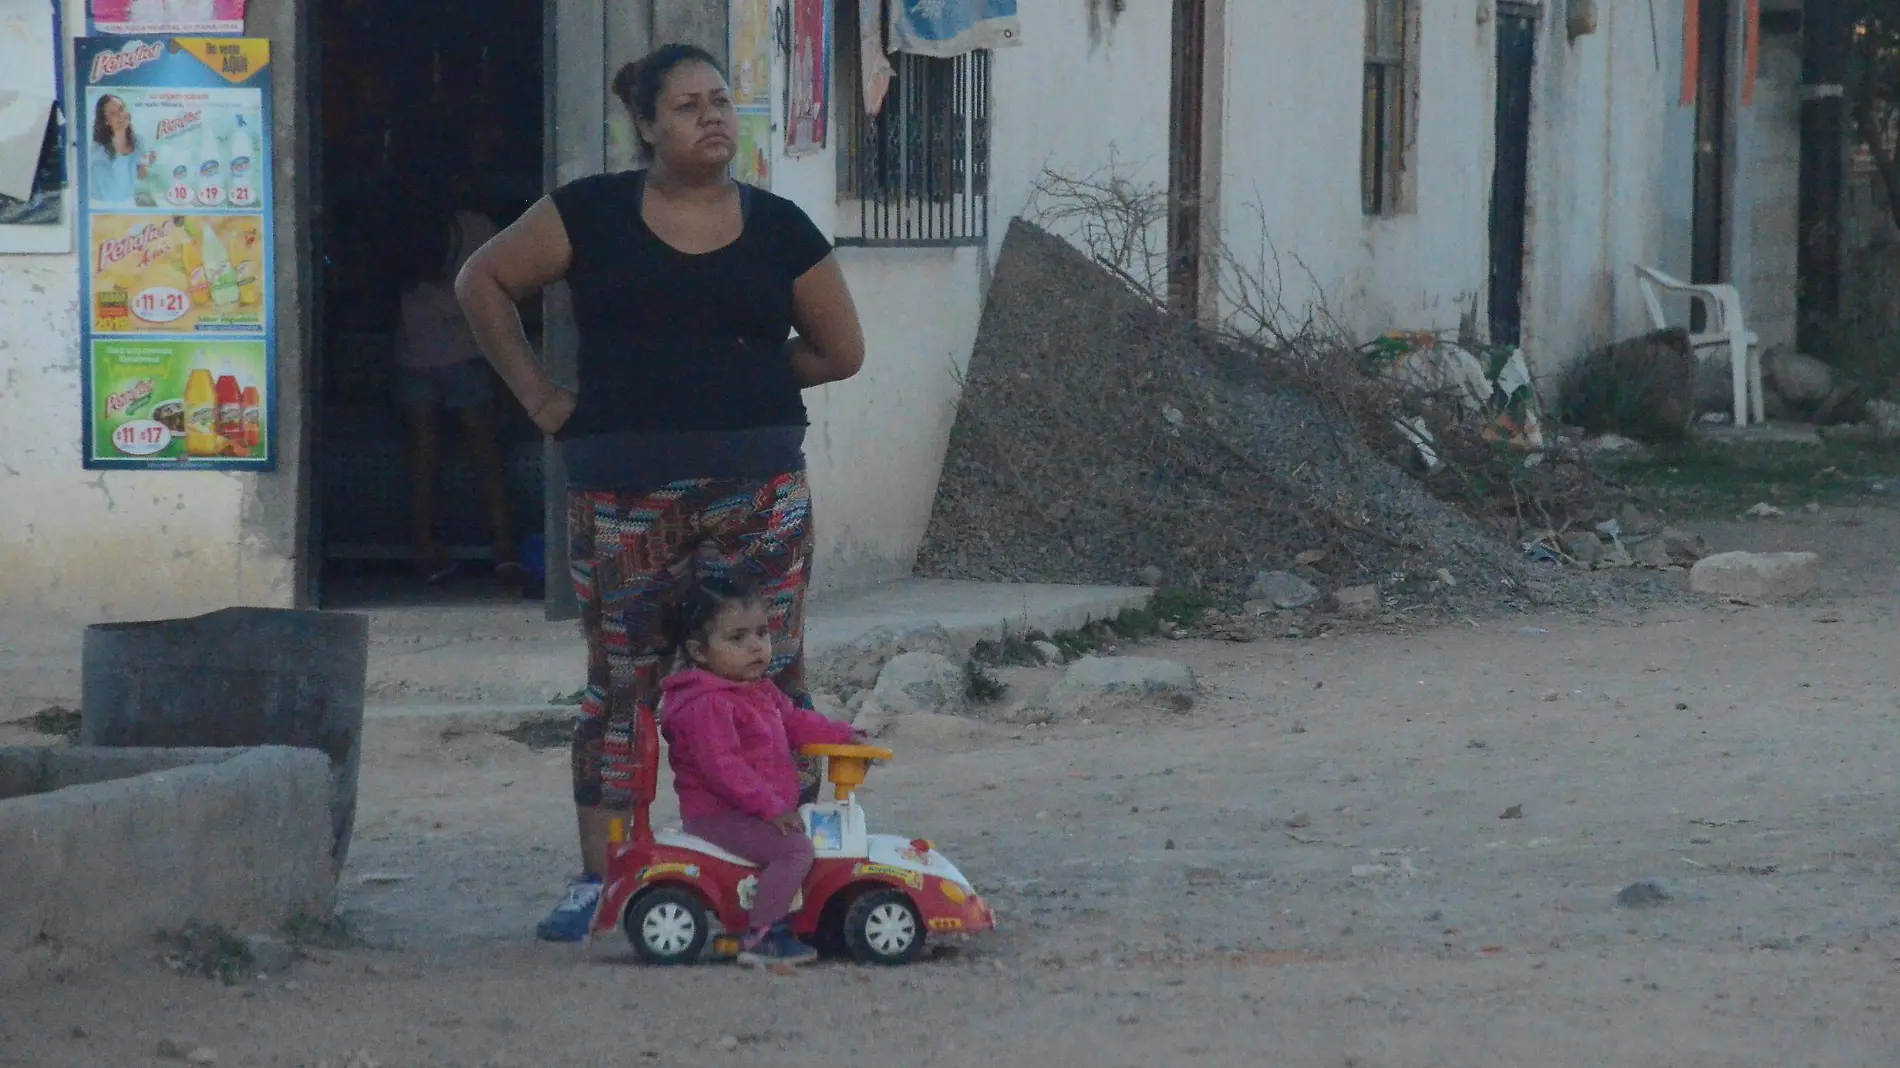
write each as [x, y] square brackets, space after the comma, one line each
[553, 411]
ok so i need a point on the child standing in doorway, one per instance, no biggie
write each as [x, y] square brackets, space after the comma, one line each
[442, 370]
[730, 733]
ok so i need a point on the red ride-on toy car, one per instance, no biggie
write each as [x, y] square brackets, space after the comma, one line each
[874, 897]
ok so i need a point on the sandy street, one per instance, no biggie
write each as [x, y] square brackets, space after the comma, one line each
[1382, 850]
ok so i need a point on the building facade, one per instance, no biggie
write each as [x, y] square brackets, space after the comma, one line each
[1415, 164]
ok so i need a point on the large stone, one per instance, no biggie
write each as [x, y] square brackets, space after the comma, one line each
[921, 682]
[1756, 576]
[1684, 548]
[1799, 379]
[831, 708]
[1283, 590]
[1122, 688]
[856, 666]
[1358, 602]
[1652, 552]
[871, 716]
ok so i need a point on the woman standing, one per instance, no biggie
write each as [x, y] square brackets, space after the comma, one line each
[114, 170]
[684, 439]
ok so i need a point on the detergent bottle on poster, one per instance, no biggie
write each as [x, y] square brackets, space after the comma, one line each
[243, 183]
[210, 169]
[220, 275]
[176, 172]
[201, 413]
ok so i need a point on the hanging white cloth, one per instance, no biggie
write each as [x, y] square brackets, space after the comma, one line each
[873, 62]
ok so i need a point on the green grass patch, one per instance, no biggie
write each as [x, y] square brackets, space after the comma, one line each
[1728, 478]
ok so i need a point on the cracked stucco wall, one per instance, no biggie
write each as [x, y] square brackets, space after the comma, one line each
[89, 546]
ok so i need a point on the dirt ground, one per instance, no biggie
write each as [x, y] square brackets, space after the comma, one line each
[1390, 850]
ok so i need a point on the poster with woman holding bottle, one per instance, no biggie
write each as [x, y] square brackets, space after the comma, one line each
[179, 310]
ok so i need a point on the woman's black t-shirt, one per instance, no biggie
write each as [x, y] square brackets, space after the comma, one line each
[678, 348]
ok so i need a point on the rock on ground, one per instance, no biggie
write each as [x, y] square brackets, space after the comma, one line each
[1283, 590]
[856, 666]
[921, 682]
[1757, 576]
[1122, 688]
[831, 708]
[1359, 602]
[1798, 378]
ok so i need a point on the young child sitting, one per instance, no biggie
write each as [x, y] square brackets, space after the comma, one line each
[731, 733]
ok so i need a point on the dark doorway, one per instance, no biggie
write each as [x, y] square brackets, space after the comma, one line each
[1186, 144]
[1711, 147]
[1511, 177]
[436, 103]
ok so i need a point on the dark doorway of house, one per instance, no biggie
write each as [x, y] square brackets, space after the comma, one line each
[1186, 142]
[1711, 148]
[1510, 178]
[422, 102]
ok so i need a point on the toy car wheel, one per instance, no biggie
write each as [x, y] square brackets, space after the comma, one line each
[883, 927]
[668, 926]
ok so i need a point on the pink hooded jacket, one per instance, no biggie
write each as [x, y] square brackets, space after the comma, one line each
[731, 744]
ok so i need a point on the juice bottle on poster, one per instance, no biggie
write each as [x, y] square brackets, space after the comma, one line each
[253, 418]
[243, 182]
[220, 276]
[201, 413]
[194, 263]
[210, 170]
[250, 254]
[230, 413]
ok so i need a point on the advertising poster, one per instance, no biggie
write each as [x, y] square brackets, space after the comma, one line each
[751, 47]
[753, 164]
[162, 17]
[808, 89]
[179, 307]
[175, 401]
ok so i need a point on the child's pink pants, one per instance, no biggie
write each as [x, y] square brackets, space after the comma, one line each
[785, 858]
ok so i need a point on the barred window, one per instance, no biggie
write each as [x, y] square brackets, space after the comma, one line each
[1383, 121]
[917, 174]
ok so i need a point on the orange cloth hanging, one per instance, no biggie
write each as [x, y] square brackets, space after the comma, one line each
[1691, 49]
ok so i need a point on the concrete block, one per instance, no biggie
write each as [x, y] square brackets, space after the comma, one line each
[121, 844]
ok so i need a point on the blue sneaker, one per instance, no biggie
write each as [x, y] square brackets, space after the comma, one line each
[573, 918]
[776, 946]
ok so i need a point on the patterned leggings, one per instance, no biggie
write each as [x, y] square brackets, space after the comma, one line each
[635, 553]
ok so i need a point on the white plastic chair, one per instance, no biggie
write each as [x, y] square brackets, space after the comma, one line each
[1722, 310]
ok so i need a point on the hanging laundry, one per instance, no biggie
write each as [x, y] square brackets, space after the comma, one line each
[946, 28]
[874, 63]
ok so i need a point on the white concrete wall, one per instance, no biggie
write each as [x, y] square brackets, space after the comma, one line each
[93, 545]
[1611, 162]
[1061, 101]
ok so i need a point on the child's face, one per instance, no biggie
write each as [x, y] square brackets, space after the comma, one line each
[738, 645]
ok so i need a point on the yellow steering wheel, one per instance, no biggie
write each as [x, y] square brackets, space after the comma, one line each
[846, 765]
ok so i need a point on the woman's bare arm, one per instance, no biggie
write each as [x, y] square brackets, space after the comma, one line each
[830, 342]
[516, 264]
